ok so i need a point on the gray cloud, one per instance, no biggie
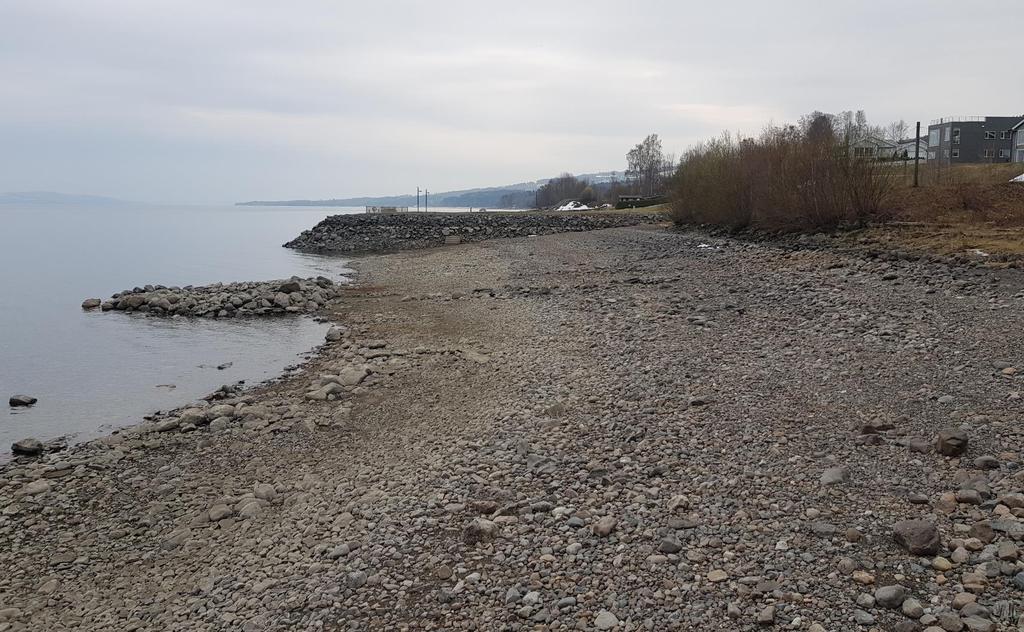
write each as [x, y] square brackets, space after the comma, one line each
[204, 101]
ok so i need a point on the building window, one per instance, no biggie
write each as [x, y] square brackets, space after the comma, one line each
[945, 134]
[990, 135]
[1003, 135]
[1020, 138]
[989, 153]
[945, 153]
[1004, 153]
[933, 137]
[956, 153]
[1020, 155]
[931, 155]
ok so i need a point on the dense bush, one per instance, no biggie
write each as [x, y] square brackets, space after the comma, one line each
[786, 179]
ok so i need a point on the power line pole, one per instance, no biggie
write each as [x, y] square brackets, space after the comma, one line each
[417, 199]
[917, 151]
[426, 201]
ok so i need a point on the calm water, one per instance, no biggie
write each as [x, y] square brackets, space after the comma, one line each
[93, 371]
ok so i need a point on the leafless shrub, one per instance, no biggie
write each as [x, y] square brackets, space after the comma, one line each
[788, 178]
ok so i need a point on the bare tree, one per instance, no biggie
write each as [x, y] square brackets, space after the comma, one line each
[896, 132]
[645, 163]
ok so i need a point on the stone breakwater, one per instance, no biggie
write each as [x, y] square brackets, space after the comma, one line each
[224, 300]
[377, 233]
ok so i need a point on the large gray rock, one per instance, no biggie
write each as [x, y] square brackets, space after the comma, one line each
[21, 400]
[920, 537]
[29, 447]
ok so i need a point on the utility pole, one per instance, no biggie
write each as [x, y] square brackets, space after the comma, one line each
[417, 199]
[917, 152]
[426, 201]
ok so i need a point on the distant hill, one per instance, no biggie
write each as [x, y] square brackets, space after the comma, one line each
[507, 196]
[49, 198]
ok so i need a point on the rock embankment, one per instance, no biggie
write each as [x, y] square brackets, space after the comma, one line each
[220, 300]
[407, 231]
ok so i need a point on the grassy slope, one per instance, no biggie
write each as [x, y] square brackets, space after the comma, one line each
[957, 210]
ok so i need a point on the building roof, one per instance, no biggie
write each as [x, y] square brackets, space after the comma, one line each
[1018, 125]
[874, 140]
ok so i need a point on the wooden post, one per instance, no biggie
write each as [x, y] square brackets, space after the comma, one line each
[917, 152]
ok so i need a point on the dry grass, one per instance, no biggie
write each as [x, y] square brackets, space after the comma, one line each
[958, 210]
[964, 240]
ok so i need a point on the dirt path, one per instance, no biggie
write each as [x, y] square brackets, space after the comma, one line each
[624, 429]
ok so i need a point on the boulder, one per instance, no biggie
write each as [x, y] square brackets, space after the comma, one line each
[29, 447]
[91, 303]
[21, 400]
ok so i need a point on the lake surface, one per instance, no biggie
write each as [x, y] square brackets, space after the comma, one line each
[93, 372]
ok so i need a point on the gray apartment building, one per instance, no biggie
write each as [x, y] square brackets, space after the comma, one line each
[964, 139]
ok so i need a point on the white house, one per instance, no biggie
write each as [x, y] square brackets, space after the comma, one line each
[873, 148]
[905, 148]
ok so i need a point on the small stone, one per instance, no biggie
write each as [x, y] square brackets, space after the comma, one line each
[480, 530]
[1007, 551]
[986, 462]
[941, 564]
[605, 620]
[920, 537]
[356, 579]
[968, 496]
[979, 624]
[863, 618]
[35, 488]
[220, 512]
[835, 476]
[766, 616]
[962, 599]
[670, 545]
[863, 577]
[890, 596]
[951, 442]
[717, 575]
[265, 491]
[443, 572]
[949, 621]
[49, 587]
[604, 526]
[912, 608]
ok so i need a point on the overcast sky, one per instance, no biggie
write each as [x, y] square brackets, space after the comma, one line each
[222, 100]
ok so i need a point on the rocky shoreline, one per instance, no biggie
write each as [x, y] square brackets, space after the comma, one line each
[224, 300]
[367, 233]
[631, 429]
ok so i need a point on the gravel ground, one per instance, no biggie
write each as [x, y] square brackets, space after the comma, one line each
[628, 429]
